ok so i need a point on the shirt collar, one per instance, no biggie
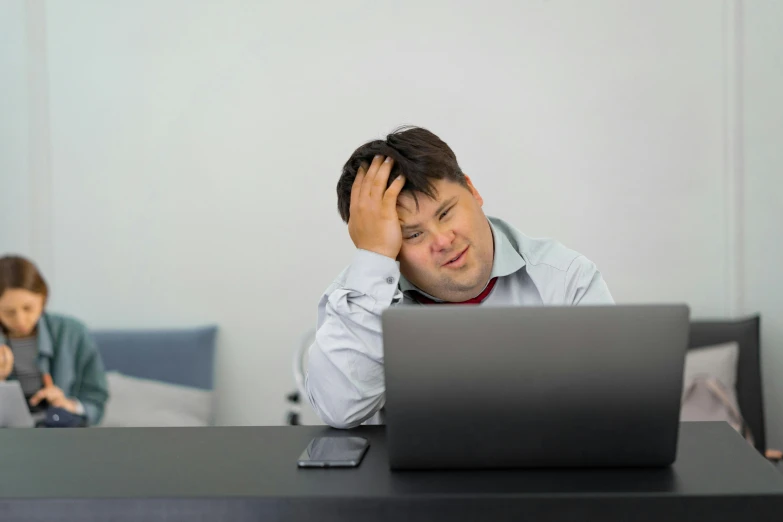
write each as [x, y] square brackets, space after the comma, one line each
[44, 338]
[506, 260]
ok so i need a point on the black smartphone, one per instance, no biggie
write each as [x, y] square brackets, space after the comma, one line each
[333, 452]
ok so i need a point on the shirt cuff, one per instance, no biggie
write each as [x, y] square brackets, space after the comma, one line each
[374, 275]
[79, 407]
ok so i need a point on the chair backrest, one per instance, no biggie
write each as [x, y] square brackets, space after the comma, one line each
[745, 332]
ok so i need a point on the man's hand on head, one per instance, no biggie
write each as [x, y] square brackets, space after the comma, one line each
[374, 224]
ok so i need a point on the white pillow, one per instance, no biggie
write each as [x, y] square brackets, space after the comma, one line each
[135, 402]
[719, 361]
[713, 362]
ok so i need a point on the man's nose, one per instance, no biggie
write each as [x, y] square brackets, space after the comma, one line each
[443, 239]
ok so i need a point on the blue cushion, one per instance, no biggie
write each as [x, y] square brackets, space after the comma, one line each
[184, 357]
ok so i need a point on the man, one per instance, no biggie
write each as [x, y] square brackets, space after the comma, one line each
[422, 238]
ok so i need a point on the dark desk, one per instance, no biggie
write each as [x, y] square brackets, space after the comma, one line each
[250, 473]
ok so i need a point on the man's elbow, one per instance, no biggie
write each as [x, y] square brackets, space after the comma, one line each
[336, 418]
[340, 423]
[343, 416]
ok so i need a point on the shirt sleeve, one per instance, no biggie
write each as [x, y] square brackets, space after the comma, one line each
[91, 390]
[584, 284]
[79, 407]
[345, 379]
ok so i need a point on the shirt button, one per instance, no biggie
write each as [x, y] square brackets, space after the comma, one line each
[390, 280]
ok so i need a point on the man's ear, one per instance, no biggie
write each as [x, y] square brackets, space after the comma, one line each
[473, 191]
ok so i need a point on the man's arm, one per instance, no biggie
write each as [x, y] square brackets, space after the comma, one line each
[344, 380]
[584, 284]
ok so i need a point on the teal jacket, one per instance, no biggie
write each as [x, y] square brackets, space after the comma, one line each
[67, 351]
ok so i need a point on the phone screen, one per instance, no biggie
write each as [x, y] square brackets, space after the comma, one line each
[325, 452]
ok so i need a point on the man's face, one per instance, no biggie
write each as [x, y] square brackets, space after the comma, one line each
[447, 246]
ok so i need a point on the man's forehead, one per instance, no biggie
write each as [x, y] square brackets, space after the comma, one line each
[411, 203]
[408, 209]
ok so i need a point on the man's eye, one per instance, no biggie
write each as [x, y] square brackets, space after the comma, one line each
[414, 235]
[444, 213]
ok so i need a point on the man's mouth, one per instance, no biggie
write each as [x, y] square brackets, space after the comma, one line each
[457, 260]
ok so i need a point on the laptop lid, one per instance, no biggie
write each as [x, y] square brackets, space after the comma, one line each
[14, 412]
[500, 387]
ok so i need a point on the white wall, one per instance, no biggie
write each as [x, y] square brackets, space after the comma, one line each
[195, 149]
[763, 197]
[14, 172]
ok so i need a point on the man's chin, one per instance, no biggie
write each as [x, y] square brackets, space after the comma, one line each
[472, 286]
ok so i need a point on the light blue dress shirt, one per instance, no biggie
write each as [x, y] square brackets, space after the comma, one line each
[344, 380]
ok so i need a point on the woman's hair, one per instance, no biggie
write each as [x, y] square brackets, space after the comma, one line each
[18, 272]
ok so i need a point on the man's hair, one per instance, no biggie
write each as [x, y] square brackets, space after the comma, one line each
[418, 154]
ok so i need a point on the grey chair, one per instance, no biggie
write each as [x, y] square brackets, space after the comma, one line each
[746, 333]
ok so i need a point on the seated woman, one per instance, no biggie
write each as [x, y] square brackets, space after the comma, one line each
[53, 357]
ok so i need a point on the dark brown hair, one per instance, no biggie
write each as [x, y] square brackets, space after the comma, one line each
[18, 272]
[418, 154]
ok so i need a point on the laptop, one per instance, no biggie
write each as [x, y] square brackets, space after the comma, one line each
[533, 387]
[14, 412]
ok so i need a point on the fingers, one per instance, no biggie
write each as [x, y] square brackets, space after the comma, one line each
[6, 358]
[50, 393]
[370, 183]
[47, 381]
[39, 396]
[381, 178]
[61, 402]
[367, 183]
[390, 196]
[357, 187]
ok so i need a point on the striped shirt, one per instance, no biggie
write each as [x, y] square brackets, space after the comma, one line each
[26, 369]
